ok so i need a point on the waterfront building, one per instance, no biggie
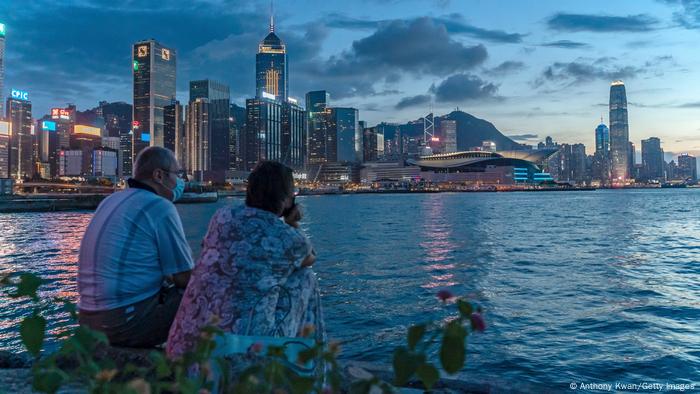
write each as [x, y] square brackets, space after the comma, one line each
[4, 149]
[344, 127]
[688, 167]
[154, 70]
[70, 162]
[2, 67]
[237, 127]
[86, 139]
[321, 144]
[619, 133]
[21, 152]
[602, 139]
[219, 99]
[631, 158]
[197, 137]
[105, 162]
[448, 129]
[572, 163]
[271, 67]
[652, 160]
[174, 129]
[369, 142]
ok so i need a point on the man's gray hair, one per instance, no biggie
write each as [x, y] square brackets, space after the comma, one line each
[152, 158]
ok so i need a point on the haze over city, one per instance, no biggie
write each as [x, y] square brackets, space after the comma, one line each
[533, 71]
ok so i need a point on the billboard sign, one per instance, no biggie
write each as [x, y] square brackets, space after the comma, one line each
[82, 129]
[48, 125]
[19, 95]
[4, 128]
[60, 113]
[2, 30]
[268, 95]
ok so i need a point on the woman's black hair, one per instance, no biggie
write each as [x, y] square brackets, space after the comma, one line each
[269, 185]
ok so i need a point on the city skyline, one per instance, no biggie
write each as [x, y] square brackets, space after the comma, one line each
[546, 72]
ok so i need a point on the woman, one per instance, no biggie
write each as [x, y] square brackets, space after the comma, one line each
[253, 276]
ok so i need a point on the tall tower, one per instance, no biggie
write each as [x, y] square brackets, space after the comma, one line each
[619, 133]
[154, 88]
[271, 66]
[602, 138]
[2, 67]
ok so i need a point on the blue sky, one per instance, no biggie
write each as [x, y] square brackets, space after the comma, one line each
[531, 68]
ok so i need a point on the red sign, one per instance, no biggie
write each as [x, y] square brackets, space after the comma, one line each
[136, 123]
[60, 113]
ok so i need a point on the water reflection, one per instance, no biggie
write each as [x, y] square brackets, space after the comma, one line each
[437, 243]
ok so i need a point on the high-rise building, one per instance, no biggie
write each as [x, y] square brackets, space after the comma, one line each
[619, 133]
[448, 129]
[370, 150]
[602, 139]
[237, 128]
[2, 67]
[317, 107]
[652, 159]
[4, 149]
[344, 126]
[263, 136]
[219, 99]
[154, 68]
[86, 139]
[631, 158]
[572, 163]
[688, 167]
[21, 152]
[293, 142]
[118, 124]
[104, 162]
[271, 67]
[174, 129]
[197, 137]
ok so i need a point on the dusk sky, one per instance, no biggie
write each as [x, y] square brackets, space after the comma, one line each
[531, 68]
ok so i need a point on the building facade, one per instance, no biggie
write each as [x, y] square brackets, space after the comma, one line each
[21, 152]
[197, 135]
[344, 129]
[219, 98]
[4, 149]
[174, 129]
[318, 115]
[620, 158]
[448, 130]
[652, 160]
[154, 70]
[688, 167]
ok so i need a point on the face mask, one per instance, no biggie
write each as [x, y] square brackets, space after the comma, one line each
[178, 190]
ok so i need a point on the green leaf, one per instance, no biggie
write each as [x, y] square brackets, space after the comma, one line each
[27, 286]
[452, 351]
[405, 365]
[428, 374]
[49, 381]
[32, 330]
[465, 308]
[415, 333]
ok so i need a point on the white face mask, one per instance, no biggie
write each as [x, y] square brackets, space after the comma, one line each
[178, 190]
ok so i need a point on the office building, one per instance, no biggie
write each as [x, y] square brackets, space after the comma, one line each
[21, 152]
[319, 140]
[237, 117]
[687, 167]
[104, 162]
[197, 135]
[344, 128]
[370, 152]
[271, 67]
[619, 134]
[653, 164]
[219, 99]
[4, 149]
[293, 142]
[602, 139]
[174, 129]
[263, 137]
[448, 130]
[154, 68]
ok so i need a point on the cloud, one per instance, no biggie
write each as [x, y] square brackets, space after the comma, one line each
[413, 101]
[453, 23]
[601, 23]
[565, 44]
[695, 104]
[523, 137]
[507, 67]
[463, 87]
[689, 15]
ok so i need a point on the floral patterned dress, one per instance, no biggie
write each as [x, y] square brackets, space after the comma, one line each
[248, 281]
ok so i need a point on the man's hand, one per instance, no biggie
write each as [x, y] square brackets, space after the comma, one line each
[293, 217]
[309, 260]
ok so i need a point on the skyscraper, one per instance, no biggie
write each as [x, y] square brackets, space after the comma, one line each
[219, 99]
[317, 107]
[344, 127]
[21, 152]
[154, 67]
[652, 159]
[2, 66]
[197, 134]
[271, 67]
[448, 129]
[237, 128]
[4, 149]
[619, 133]
[602, 139]
[293, 142]
[263, 134]
[175, 130]
[688, 167]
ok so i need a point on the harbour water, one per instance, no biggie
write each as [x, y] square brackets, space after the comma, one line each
[597, 286]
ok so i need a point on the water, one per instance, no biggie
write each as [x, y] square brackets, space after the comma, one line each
[597, 286]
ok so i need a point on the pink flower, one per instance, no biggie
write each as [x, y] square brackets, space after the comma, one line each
[444, 295]
[477, 321]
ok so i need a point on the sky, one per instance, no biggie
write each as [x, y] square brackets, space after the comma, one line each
[533, 69]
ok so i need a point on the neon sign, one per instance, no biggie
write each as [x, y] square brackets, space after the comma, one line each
[268, 95]
[136, 124]
[2, 30]
[165, 54]
[20, 95]
[143, 51]
[145, 137]
[48, 125]
[60, 113]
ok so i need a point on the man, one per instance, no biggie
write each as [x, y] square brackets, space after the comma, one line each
[133, 245]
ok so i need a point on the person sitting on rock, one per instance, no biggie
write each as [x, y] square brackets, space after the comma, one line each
[253, 276]
[134, 258]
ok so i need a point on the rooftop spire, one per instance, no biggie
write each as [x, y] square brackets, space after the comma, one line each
[272, 17]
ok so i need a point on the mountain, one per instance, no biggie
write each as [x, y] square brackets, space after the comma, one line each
[471, 131]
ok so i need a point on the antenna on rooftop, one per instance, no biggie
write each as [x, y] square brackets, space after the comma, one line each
[272, 16]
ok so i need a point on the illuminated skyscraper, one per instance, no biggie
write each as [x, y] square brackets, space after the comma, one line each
[344, 129]
[21, 152]
[619, 133]
[175, 130]
[153, 68]
[271, 67]
[219, 100]
[602, 139]
[2, 66]
[197, 136]
[317, 103]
